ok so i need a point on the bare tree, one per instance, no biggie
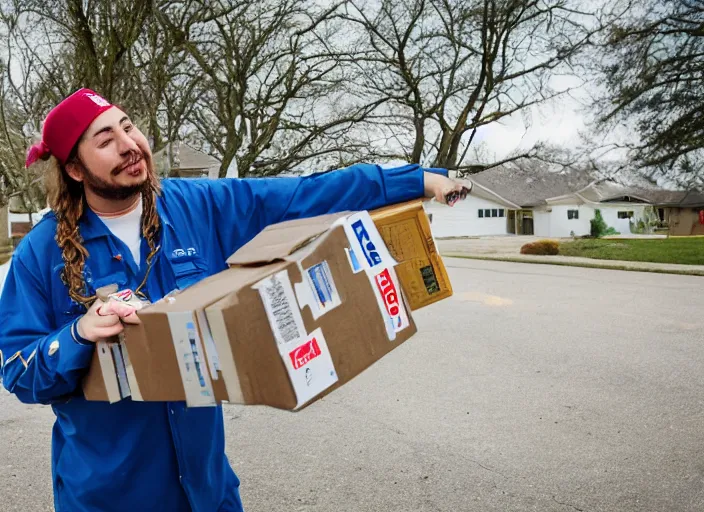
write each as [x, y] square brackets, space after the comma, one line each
[652, 64]
[268, 69]
[18, 115]
[169, 82]
[52, 48]
[450, 67]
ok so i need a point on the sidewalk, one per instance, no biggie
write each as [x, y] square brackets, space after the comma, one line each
[508, 249]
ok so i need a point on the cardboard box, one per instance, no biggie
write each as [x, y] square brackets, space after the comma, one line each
[406, 231]
[306, 306]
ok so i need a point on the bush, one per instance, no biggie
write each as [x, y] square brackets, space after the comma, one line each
[611, 232]
[541, 248]
[598, 225]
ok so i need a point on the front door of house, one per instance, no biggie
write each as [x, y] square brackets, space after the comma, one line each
[511, 222]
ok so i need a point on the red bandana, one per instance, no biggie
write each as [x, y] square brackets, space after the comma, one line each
[65, 124]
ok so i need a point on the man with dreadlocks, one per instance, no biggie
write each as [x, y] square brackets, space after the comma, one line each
[113, 222]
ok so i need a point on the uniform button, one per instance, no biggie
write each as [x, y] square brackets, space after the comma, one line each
[53, 347]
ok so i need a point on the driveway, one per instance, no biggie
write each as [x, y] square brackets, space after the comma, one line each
[535, 388]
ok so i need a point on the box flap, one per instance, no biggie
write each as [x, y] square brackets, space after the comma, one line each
[280, 240]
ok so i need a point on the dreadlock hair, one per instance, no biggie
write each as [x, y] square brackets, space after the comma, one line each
[67, 200]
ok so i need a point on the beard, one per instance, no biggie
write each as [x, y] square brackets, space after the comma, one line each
[111, 191]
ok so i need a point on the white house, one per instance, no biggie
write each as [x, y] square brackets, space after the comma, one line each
[531, 200]
[571, 214]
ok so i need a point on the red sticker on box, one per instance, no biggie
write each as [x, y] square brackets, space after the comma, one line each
[391, 299]
[304, 354]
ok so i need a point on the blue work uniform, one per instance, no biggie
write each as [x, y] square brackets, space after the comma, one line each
[145, 456]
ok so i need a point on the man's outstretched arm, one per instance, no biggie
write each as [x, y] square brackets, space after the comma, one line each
[241, 208]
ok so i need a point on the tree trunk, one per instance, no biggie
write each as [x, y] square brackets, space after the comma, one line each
[441, 157]
[419, 124]
[226, 161]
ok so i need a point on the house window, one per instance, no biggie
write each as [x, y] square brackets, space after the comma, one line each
[488, 213]
[573, 214]
[625, 215]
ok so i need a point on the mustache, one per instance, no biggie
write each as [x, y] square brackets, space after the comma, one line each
[132, 158]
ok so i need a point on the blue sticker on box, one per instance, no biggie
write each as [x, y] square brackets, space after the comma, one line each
[371, 253]
[323, 288]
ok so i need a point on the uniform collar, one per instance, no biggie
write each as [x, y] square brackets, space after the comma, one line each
[92, 226]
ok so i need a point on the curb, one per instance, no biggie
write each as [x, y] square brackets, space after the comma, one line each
[628, 268]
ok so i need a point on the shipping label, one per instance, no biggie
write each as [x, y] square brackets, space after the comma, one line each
[322, 288]
[191, 363]
[281, 308]
[301, 356]
[369, 250]
[374, 256]
[393, 303]
[367, 246]
[310, 367]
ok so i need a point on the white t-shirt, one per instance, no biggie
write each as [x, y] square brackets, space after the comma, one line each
[128, 228]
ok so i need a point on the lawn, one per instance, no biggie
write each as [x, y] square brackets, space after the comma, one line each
[688, 251]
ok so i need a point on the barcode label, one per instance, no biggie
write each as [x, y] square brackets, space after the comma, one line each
[281, 309]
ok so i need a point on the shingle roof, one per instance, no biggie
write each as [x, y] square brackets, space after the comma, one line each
[530, 185]
[607, 191]
[692, 200]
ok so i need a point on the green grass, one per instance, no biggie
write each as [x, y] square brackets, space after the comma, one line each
[687, 251]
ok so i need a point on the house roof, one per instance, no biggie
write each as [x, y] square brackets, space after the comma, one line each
[691, 200]
[531, 184]
[610, 191]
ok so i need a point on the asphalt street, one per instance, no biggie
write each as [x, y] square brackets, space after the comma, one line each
[535, 388]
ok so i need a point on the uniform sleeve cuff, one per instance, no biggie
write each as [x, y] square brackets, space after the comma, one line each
[76, 335]
[71, 354]
[403, 183]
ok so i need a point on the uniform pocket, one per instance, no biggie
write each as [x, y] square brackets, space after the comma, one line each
[187, 269]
